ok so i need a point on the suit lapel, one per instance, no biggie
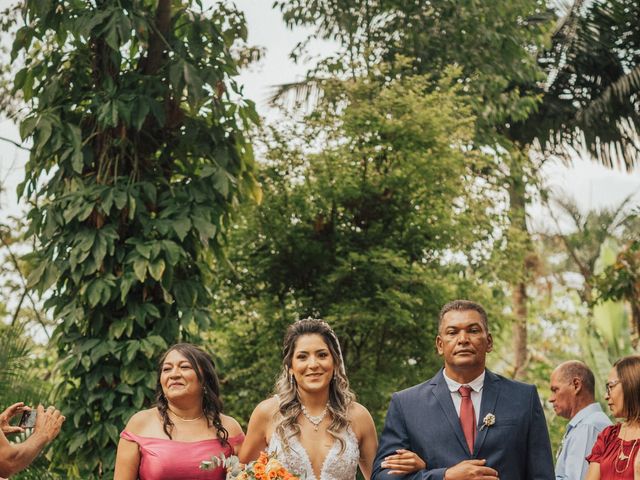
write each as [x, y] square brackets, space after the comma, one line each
[443, 395]
[490, 393]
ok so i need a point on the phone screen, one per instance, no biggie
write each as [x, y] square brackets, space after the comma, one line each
[28, 419]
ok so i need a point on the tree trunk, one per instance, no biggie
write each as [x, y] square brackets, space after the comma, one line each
[519, 300]
[520, 249]
[158, 37]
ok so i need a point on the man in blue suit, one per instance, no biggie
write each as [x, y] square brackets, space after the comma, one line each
[466, 423]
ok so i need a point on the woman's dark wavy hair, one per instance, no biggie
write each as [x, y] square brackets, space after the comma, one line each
[206, 372]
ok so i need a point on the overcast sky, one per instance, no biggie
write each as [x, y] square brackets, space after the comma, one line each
[592, 185]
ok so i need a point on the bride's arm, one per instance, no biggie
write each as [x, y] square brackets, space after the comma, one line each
[365, 431]
[403, 462]
[259, 423]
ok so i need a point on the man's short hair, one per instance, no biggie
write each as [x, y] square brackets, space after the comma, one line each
[463, 306]
[577, 369]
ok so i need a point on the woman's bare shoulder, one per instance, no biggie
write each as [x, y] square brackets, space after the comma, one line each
[143, 421]
[266, 409]
[358, 412]
[360, 419]
[231, 425]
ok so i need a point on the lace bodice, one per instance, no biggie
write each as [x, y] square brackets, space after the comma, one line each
[336, 466]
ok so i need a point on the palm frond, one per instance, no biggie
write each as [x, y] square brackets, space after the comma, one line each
[591, 99]
[14, 348]
[307, 92]
[19, 380]
[566, 31]
[620, 91]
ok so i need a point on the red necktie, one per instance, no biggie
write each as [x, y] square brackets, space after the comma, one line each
[467, 416]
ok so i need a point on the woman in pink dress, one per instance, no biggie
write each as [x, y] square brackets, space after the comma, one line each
[169, 441]
[615, 453]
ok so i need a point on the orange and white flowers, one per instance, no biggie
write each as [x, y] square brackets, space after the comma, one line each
[264, 468]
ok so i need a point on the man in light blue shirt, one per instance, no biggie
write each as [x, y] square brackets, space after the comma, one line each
[573, 397]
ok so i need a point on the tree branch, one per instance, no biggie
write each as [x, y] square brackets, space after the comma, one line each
[19, 145]
[26, 293]
[584, 271]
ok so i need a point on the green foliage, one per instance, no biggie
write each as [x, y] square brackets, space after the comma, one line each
[495, 45]
[23, 307]
[588, 248]
[621, 281]
[591, 100]
[20, 380]
[24, 377]
[585, 247]
[364, 225]
[8, 102]
[26, 374]
[138, 157]
[565, 323]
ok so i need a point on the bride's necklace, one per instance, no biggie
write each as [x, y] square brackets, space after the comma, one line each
[623, 457]
[187, 419]
[315, 420]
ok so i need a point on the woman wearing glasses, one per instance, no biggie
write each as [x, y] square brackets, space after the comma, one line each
[615, 453]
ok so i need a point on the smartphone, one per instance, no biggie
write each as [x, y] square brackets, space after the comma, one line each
[28, 419]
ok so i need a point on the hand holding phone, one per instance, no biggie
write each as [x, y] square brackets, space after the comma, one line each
[28, 419]
[9, 413]
[48, 422]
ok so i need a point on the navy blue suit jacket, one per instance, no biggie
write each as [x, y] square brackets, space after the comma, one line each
[423, 419]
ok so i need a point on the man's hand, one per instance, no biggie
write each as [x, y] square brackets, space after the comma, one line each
[470, 470]
[403, 462]
[8, 414]
[48, 423]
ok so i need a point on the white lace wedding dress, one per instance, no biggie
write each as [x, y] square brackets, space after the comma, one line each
[338, 465]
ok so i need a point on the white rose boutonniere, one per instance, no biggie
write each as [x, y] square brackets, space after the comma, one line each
[488, 420]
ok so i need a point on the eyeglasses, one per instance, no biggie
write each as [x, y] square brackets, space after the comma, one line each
[610, 385]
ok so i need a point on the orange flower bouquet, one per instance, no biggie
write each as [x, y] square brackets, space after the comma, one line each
[264, 468]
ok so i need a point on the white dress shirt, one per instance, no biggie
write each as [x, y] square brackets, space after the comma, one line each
[476, 392]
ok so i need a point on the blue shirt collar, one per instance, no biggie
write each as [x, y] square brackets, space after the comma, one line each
[584, 413]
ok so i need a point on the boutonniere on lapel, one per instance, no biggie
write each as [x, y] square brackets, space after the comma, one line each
[488, 420]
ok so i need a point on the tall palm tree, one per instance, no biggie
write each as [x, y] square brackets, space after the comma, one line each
[592, 98]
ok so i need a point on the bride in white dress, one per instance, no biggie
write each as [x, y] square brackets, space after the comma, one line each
[313, 424]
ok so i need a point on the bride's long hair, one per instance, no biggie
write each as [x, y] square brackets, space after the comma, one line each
[340, 395]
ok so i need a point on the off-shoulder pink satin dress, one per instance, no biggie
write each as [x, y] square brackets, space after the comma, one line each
[164, 459]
